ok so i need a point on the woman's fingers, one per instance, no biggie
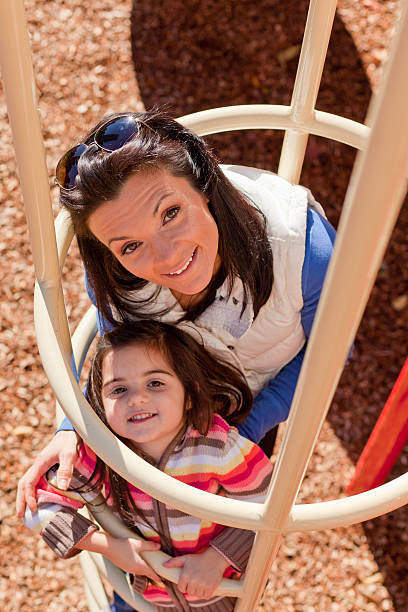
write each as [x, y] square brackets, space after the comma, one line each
[26, 495]
[67, 456]
[66, 467]
[61, 449]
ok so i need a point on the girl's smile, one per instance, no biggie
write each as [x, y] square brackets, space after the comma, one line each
[161, 230]
[142, 397]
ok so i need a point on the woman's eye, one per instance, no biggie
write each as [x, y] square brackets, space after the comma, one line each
[130, 247]
[171, 213]
[155, 384]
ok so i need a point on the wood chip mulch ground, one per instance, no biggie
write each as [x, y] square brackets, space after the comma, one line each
[92, 58]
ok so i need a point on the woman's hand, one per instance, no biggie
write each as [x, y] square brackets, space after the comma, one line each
[201, 573]
[63, 450]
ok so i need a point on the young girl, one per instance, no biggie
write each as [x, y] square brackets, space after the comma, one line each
[162, 393]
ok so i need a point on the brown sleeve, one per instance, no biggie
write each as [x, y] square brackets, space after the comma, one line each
[235, 545]
[139, 583]
[65, 530]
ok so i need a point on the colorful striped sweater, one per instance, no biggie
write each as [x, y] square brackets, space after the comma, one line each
[222, 462]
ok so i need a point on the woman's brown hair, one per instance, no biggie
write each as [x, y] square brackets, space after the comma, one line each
[210, 386]
[165, 144]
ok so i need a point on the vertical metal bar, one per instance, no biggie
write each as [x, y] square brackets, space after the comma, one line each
[18, 78]
[96, 596]
[375, 194]
[308, 76]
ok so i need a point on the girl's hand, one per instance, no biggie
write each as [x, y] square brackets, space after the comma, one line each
[201, 573]
[63, 450]
[124, 552]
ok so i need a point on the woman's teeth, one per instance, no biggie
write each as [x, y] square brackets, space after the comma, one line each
[188, 262]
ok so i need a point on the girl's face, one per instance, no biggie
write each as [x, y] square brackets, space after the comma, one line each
[142, 397]
[160, 229]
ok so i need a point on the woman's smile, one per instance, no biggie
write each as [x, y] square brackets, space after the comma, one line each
[184, 267]
[160, 229]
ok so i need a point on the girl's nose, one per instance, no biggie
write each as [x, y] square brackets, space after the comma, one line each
[137, 397]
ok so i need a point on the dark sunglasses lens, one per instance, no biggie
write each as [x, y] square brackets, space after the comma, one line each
[114, 134]
[67, 168]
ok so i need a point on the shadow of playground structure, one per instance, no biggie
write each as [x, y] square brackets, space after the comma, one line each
[198, 54]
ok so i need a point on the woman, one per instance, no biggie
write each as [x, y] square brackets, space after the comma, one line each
[235, 253]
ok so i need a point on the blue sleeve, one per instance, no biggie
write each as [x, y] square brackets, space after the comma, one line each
[272, 404]
[103, 326]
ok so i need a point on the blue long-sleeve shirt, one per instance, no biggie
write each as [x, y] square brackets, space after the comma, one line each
[272, 404]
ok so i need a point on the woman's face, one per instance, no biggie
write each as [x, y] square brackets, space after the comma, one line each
[160, 229]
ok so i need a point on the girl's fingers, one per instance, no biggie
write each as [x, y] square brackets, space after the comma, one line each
[174, 562]
[153, 576]
[148, 545]
[183, 585]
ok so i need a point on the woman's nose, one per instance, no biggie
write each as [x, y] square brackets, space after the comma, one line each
[163, 251]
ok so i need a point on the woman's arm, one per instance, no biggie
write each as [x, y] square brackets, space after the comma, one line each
[272, 404]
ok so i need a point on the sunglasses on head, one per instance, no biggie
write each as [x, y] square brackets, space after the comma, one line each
[110, 136]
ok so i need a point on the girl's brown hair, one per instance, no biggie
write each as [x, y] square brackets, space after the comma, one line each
[210, 385]
[165, 144]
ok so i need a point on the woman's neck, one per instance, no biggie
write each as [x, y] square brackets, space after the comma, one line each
[187, 302]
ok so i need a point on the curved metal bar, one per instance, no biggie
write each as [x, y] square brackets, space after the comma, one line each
[350, 510]
[274, 116]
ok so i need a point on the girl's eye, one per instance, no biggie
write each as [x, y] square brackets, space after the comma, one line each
[118, 390]
[155, 384]
[130, 247]
[171, 213]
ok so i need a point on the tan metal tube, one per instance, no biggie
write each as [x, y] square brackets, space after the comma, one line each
[19, 85]
[269, 116]
[94, 589]
[308, 76]
[117, 579]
